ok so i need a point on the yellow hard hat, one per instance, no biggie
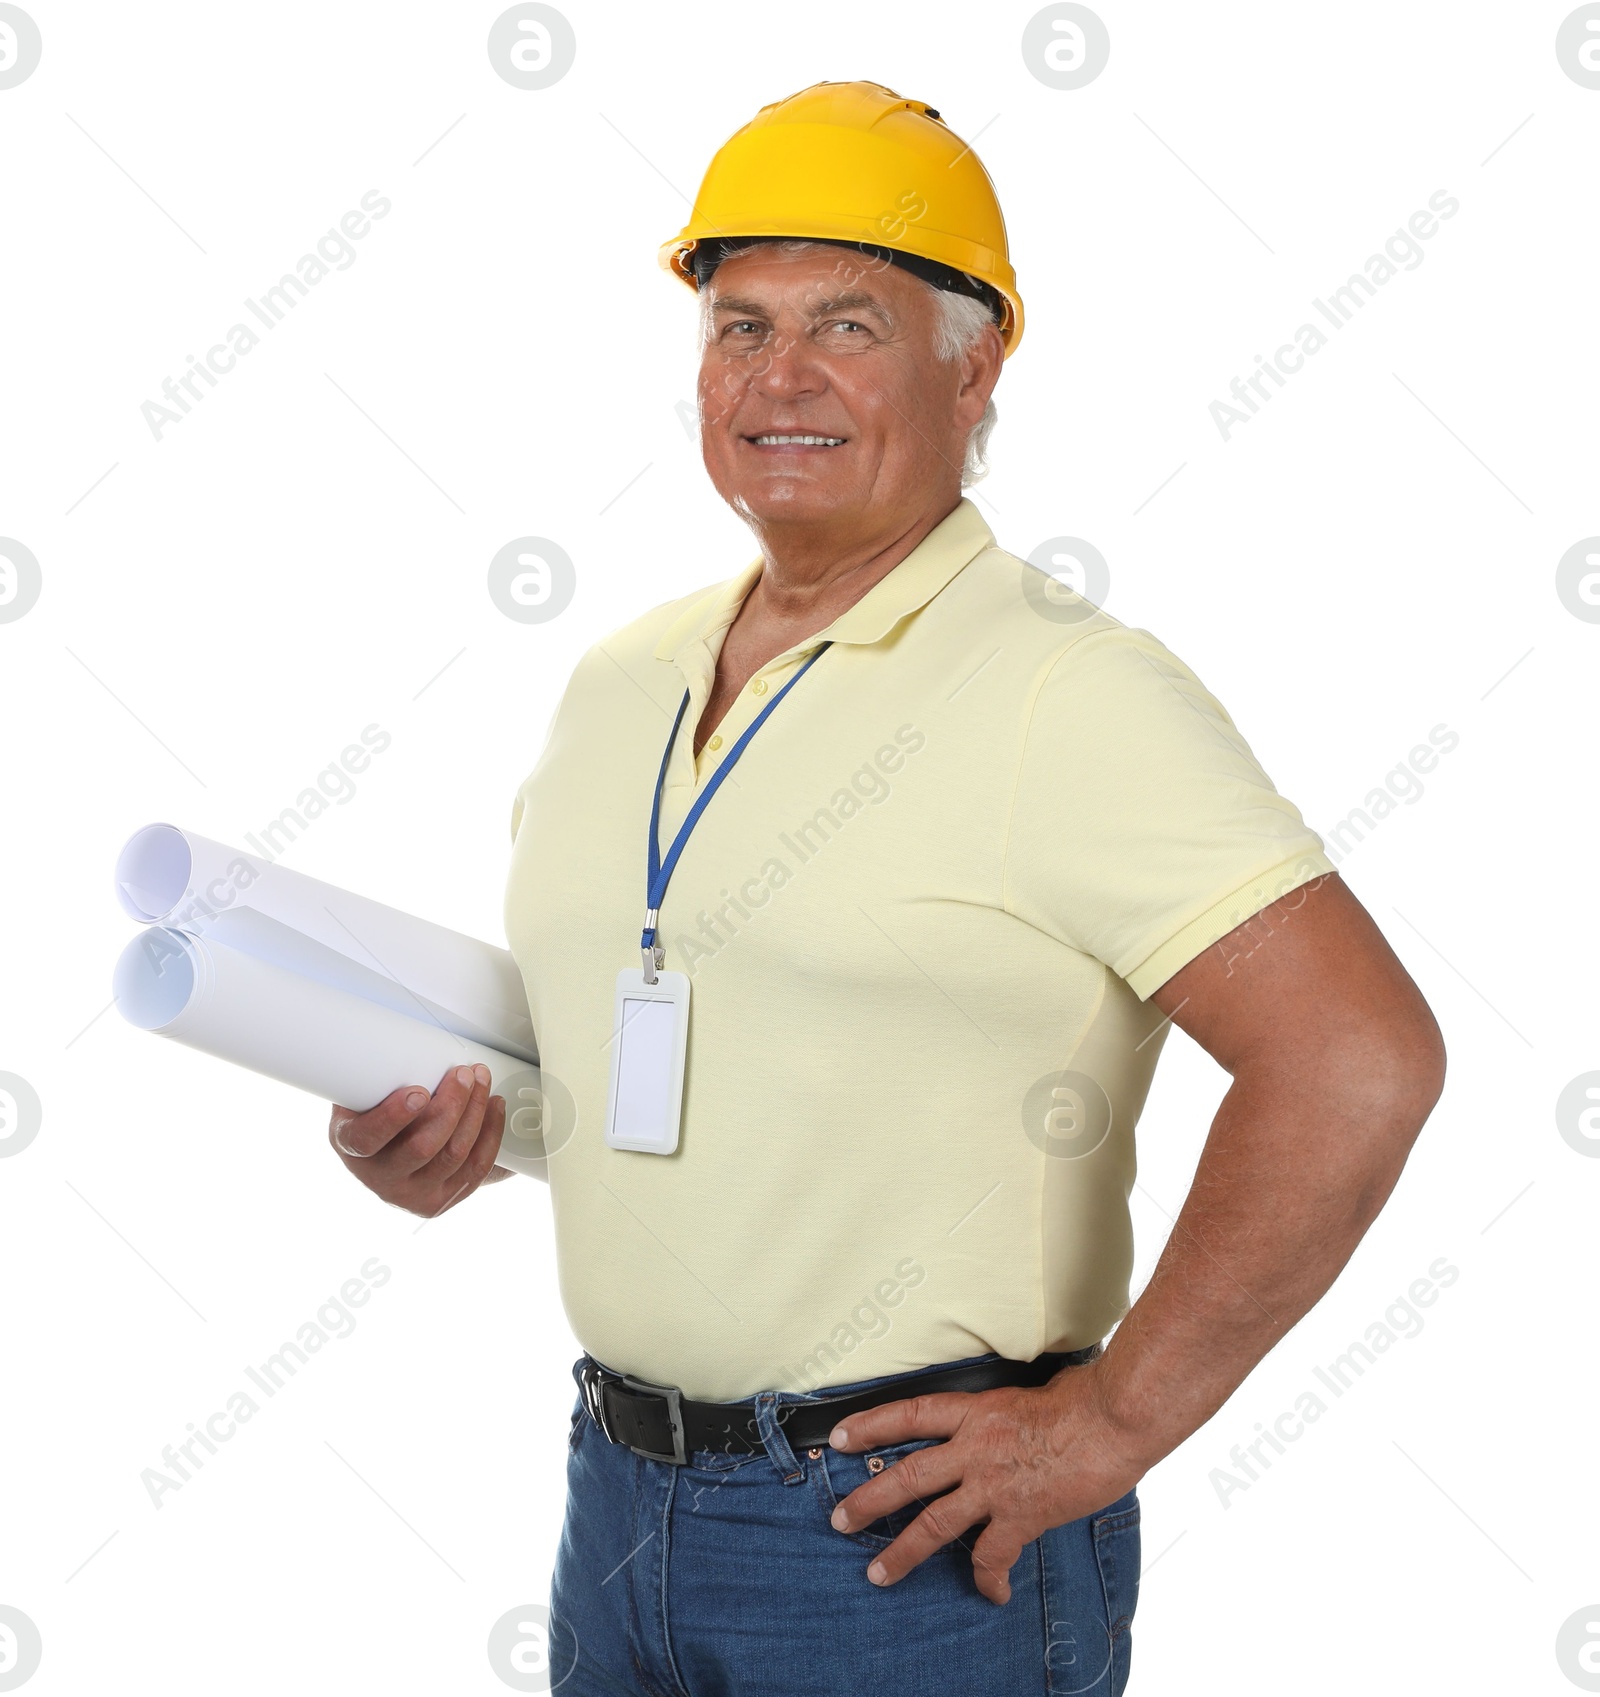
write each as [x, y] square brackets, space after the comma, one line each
[853, 162]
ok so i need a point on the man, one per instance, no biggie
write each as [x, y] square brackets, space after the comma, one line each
[843, 1286]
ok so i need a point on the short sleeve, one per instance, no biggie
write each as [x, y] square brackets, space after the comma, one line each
[1143, 828]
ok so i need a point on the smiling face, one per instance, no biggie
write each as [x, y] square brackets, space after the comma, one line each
[822, 346]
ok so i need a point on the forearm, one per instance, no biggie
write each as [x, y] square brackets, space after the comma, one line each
[1294, 1171]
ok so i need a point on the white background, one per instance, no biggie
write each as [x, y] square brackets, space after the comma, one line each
[224, 609]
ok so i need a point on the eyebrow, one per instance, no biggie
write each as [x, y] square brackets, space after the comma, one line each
[855, 300]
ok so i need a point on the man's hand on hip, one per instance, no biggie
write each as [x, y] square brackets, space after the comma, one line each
[1020, 1460]
[1336, 1062]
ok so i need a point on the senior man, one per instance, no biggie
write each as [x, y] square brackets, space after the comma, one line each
[931, 854]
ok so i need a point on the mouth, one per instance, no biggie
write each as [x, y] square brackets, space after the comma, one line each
[794, 442]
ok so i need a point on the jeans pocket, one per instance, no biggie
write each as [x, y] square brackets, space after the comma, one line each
[847, 1471]
[580, 1418]
[1117, 1555]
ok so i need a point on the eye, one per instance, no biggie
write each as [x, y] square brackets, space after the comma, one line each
[741, 324]
[849, 324]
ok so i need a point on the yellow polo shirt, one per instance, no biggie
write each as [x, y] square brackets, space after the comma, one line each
[922, 919]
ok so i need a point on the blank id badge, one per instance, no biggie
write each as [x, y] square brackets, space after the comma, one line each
[649, 1041]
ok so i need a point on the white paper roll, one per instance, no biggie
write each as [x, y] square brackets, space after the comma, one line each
[317, 1037]
[175, 878]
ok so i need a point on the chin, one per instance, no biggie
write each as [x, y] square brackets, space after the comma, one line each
[777, 500]
[791, 503]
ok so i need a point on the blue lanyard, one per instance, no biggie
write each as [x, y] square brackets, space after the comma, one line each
[660, 871]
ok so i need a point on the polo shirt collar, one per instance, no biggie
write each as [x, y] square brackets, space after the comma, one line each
[953, 543]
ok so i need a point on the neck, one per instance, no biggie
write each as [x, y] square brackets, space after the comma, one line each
[811, 573]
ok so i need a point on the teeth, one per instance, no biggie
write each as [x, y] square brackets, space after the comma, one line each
[811, 441]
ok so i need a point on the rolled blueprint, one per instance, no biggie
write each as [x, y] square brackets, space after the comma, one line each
[320, 1037]
[178, 879]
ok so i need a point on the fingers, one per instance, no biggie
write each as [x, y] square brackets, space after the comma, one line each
[468, 1157]
[1017, 1466]
[482, 1162]
[411, 1135]
[995, 1553]
[474, 1171]
[409, 1152]
[913, 1479]
[461, 1136]
[425, 1153]
[479, 1167]
[935, 1416]
[940, 1523]
[363, 1135]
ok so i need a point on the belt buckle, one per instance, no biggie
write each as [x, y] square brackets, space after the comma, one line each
[673, 1397]
[591, 1382]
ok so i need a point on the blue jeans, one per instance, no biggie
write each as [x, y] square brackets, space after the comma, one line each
[724, 1578]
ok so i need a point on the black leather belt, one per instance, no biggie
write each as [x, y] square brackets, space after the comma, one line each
[661, 1424]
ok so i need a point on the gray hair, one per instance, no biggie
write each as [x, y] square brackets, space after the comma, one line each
[960, 322]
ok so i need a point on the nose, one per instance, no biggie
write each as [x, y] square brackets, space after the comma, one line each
[787, 367]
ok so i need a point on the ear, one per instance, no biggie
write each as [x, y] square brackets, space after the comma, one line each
[980, 372]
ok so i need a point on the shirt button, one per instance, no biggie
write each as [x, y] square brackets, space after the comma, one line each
[714, 744]
[759, 687]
